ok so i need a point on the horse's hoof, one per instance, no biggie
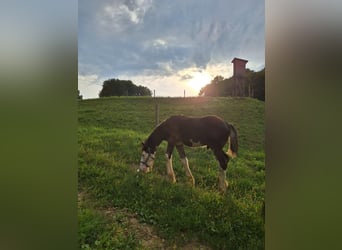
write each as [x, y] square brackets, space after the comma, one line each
[223, 186]
[172, 179]
[191, 180]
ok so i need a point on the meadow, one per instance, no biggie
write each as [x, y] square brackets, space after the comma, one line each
[120, 208]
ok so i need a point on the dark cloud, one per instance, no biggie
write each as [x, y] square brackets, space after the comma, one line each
[163, 37]
[185, 77]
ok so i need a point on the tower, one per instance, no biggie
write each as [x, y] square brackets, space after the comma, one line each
[239, 67]
[239, 72]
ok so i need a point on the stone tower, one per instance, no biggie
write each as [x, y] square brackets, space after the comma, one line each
[239, 72]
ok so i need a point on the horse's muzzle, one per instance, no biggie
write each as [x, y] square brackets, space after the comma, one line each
[143, 168]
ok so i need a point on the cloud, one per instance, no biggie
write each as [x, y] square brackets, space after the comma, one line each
[89, 85]
[163, 85]
[159, 44]
[185, 77]
[118, 16]
[162, 38]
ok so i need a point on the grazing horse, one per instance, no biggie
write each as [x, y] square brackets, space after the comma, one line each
[180, 130]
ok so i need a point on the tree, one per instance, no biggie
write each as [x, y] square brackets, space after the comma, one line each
[116, 87]
[258, 84]
[217, 79]
[213, 88]
[143, 91]
[251, 85]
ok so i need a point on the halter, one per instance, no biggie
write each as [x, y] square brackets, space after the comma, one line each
[148, 157]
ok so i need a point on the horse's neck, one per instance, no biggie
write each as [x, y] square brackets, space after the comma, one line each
[156, 137]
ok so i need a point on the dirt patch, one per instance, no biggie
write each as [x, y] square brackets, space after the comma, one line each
[145, 233]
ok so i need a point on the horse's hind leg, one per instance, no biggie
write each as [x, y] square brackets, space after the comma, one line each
[223, 159]
[184, 159]
[169, 167]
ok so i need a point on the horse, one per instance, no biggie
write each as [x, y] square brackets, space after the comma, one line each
[179, 130]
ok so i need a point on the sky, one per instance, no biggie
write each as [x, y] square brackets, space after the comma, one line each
[167, 46]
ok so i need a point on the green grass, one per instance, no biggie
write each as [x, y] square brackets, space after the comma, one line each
[98, 232]
[110, 133]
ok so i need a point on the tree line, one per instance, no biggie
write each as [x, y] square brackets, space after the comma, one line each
[250, 85]
[116, 87]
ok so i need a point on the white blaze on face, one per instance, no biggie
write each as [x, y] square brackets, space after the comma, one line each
[146, 162]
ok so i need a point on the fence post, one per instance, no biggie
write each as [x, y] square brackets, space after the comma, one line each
[156, 109]
[157, 113]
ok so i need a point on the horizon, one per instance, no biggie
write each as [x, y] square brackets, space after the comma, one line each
[184, 94]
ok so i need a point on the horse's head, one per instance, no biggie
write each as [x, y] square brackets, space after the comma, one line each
[147, 158]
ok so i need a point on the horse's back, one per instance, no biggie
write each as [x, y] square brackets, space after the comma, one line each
[207, 119]
[210, 121]
[207, 130]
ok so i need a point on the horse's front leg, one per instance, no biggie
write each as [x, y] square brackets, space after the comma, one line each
[223, 160]
[184, 159]
[169, 167]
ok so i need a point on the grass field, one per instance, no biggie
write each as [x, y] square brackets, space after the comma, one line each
[119, 208]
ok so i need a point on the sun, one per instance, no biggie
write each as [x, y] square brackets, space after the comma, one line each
[199, 80]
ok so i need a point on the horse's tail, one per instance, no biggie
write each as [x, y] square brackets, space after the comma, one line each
[233, 141]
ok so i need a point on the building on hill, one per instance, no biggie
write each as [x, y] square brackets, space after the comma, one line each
[239, 67]
[239, 74]
[244, 83]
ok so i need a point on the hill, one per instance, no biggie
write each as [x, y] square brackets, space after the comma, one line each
[174, 215]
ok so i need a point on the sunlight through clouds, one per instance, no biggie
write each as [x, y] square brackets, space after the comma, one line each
[190, 79]
[199, 80]
[170, 46]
